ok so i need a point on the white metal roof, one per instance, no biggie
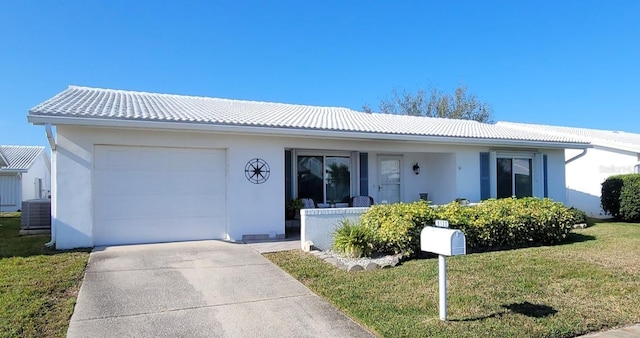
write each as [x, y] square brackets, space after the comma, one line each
[606, 138]
[96, 106]
[18, 158]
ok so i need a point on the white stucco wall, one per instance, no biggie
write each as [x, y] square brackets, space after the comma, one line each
[251, 208]
[586, 174]
[467, 176]
[41, 168]
[555, 175]
[441, 185]
[447, 172]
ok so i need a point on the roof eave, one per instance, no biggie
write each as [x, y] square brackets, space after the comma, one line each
[14, 171]
[292, 131]
[617, 147]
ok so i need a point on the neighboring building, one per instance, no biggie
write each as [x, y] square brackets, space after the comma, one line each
[135, 167]
[613, 153]
[25, 173]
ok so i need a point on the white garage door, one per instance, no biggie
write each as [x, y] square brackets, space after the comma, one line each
[149, 195]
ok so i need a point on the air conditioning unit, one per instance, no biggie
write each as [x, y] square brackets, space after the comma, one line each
[36, 214]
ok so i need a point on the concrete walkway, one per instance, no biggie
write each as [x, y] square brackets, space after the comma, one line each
[198, 289]
[625, 332]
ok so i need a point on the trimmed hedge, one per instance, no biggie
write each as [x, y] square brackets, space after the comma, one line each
[621, 197]
[610, 195]
[510, 222]
[579, 216]
[396, 228]
[630, 198]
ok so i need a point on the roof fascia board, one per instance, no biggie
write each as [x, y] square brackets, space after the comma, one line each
[13, 171]
[288, 131]
[618, 147]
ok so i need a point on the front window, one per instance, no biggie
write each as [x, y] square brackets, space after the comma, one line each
[325, 179]
[514, 177]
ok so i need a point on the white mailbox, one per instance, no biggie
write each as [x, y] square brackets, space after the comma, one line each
[443, 241]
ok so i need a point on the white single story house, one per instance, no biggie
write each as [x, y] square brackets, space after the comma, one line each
[25, 173]
[612, 153]
[137, 167]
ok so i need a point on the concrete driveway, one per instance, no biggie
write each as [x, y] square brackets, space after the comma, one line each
[198, 289]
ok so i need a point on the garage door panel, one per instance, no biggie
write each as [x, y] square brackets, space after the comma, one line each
[151, 206]
[149, 158]
[147, 194]
[137, 231]
[157, 182]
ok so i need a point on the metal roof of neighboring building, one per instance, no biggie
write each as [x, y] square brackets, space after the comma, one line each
[18, 158]
[606, 138]
[90, 106]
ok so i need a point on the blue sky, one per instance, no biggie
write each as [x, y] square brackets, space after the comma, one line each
[572, 63]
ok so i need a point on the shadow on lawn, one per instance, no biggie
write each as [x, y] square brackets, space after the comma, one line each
[525, 308]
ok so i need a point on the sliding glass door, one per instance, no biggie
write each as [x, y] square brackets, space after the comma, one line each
[514, 177]
[325, 179]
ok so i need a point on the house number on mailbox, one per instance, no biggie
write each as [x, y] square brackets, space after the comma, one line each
[257, 171]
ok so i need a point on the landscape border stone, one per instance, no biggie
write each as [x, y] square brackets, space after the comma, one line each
[359, 264]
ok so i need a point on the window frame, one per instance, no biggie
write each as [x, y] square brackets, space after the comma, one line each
[353, 164]
[514, 156]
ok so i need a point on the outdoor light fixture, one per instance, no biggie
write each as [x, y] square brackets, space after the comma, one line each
[416, 168]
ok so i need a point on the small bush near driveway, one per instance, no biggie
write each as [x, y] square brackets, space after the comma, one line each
[38, 286]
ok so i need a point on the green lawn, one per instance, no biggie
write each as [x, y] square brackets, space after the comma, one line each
[590, 284]
[38, 286]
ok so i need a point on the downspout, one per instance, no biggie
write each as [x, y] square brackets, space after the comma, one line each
[52, 141]
[584, 152]
[52, 144]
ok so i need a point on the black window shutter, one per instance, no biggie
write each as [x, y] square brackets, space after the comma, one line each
[288, 175]
[485, 179]
[364, 174]
[546, 185]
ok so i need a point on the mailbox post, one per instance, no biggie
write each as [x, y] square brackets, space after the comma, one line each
[445, 242]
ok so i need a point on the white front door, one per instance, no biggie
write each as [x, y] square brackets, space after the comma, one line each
[390, 179]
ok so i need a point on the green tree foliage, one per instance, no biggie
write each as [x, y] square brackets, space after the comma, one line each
[435, 103]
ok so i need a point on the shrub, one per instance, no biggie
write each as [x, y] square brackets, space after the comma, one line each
[510, 221]
[460, 217]
[630, 198]
[579, 216]
[395, 228]
[610, 195]
[621, 197]
[352, 239]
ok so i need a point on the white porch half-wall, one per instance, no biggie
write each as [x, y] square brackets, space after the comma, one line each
[317, 225]
[448, 171]
[586, 173]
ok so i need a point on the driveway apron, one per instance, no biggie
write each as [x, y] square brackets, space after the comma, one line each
[198, 289]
